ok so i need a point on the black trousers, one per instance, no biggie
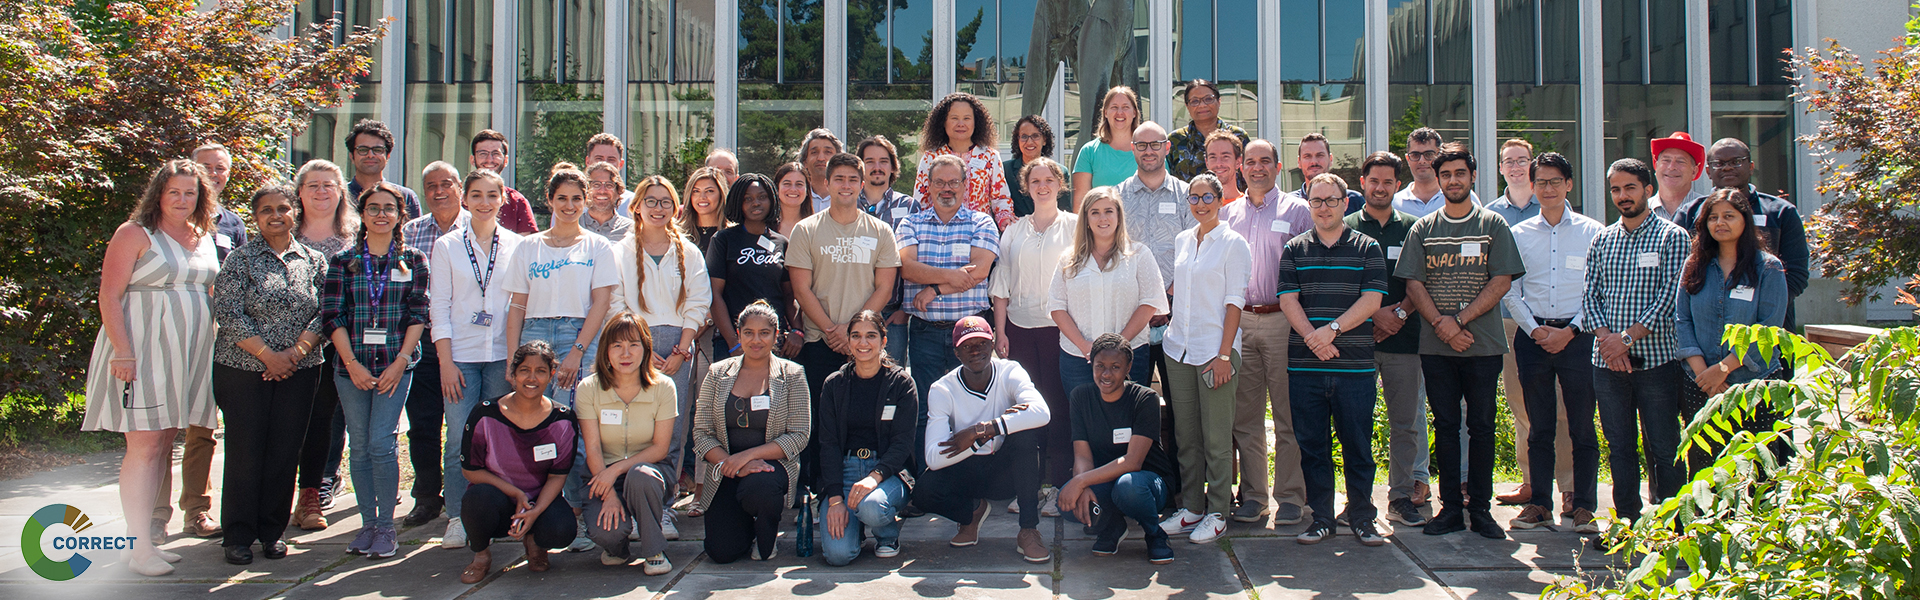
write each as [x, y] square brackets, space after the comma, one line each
[487, 513]
[318, 438]
[426, 409]
[745, 513]
[1572, 369]
[1475, 379]
[266, 421]
[818, 361]
[1012, 472]
[1158, 353]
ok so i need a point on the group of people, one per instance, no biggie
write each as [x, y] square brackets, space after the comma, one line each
[818, 340]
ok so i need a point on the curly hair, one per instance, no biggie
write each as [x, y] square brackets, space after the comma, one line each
[933, 136]
[1040, 123]
[535, 348]
[734, 209]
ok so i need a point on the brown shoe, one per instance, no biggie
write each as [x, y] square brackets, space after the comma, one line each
[1566, 504]
[1421, 492]
[1031, 548]
[309, 515]
[970, 533]
[203, 526]
[1520, 495]
[1534, 516]
[1583, 521]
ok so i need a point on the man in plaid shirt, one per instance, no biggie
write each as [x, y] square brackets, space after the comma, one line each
[1633, 273]
[945, 256]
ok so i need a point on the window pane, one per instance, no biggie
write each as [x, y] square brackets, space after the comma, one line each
[1452, 41]
[1346, 36]
[1560, 41]
[1775, 24]
[669, 129]
[1621, 42]
[1193, 45]
[359, 13]
[1448, 109]
[1635, 115]
[1300, 40]
[1337, 111]
[975, 39]
[867, 50]
[1407, 41]
[773, 120]
[1546, 116]
[1016, 35]
[1667, 51]
[1515, 41]
[427, 49]
[1729, 26]
[1762, 117]
[441, 120]
[323, 140]
[693, 40]
[580, 26]
[898, 112]
[1239, 48]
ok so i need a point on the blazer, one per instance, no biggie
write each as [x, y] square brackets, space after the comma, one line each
[830, 426]
[789, 420]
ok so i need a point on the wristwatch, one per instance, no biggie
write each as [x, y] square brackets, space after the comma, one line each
[1400, 312]
[1626, 339]
[1227, 357]
[1335, 326]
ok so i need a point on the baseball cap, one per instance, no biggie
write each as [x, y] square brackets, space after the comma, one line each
[1684, 143]
[971, 327]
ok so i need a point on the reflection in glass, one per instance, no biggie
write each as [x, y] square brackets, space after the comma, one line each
[1546, 116]
[1337, 111]
[1448, 109]
[780, 72]
[1635, 114]
[561, 56]
[323, 139]
[1761, 116]
[669, 89]
[449, 97]
[895, 103]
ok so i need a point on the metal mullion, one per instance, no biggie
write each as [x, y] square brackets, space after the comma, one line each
[1646, 42]
[1753, 43]
[999, 74]
[1432, 42]
[1213, 16]
[889, 48]
[559, 41]
[447, 41]
[673, 22]
[1322, 52]
[780, 42]
[1539, 43]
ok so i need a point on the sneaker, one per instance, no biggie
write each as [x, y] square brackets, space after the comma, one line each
[883, 549]
[456, 536]
[633, 530]
[1032, 548]
[1406, 513]
[361, 541]
[608, 559]
[1421, 492]
[423, 511]
[657, 565]
[969, 534]
[666, 525]
[1050, 504]
[1520, 495]
[1319, 530]
[1159, 552]
[1534, 516]
[328, 485]
[310, 515]
[1583, 521]
[384, 545]
[1341, 519]
[1483, 524]
[1288, 514]
[1248, 512]
[1182, 521]
[1107, 534]
[1209, 529]
[1368, 534]
[581, 543]
[1448, 520]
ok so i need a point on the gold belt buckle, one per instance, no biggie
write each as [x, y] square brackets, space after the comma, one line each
[863, 453]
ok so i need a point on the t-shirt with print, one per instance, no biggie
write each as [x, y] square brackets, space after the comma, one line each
[1100, 423]
[522, 457]
[843, 259]
[1455, 258]
[625, 428]
[563, 277]
[753, 266]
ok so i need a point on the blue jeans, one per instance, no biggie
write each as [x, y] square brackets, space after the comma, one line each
[484, 381]
[1646, 403]
[561, 333]
[878, 511]
[373, 437]
[1076, 371]
[1346, 401]
[932, 348]
[1138, 495]
[897, 344]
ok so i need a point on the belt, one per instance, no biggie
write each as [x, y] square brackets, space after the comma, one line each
[940, 324]
[1554, 322]
[862, 453]
[1262, 309]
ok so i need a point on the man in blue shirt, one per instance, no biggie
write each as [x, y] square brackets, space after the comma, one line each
[369, 145]
[880, 161]
[945, 255]
[1316, 156]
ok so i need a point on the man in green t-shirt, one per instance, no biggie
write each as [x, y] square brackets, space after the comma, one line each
[1458, 262]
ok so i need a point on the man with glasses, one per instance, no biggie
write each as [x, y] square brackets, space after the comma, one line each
[1516, 205]
[1316, 156]
[1396, 351]
[1730, 165]
[946, 253]
[1677, 163]
[1189, 144]
[371, 144]
[1423, 196]
[1551, 347]
[426, 408]
[490, 152]
[606, 148]
[1267, 219]
[1156, 214]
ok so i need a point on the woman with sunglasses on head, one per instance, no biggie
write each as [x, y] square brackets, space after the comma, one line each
[752, 419]
[517, 451]
[627, 409]
[866, 417]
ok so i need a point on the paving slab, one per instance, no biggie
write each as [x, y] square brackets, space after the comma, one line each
[201, 562]
[101, 590]
[418, 572]
[582, 575]
[1520, 550]
[1198, 571]
[1281, 569]
[1502, 585]
[863, 586]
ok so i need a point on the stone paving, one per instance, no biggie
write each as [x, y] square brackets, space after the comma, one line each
[1254, 561]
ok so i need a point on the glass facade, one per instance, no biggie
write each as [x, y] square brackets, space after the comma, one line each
[781, 95]
[449, 83]
[562, 88]
[890, 65]
[1218, 50]
[669, 87]
[326, 138]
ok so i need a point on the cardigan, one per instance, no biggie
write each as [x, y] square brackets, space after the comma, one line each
[789, 419]
[830, 426]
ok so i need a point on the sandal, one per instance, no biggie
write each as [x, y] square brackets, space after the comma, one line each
[474, 573]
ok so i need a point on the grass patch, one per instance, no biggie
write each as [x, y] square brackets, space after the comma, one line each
[35, 423]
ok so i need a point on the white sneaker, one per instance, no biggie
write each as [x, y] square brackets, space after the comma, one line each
[666, 525]
[1050, 507]
[633, 530]
[1209, 529]
[582, 543]
[610, 560]
[881, 550]
[456, 536]
[1181, 522]
[657, 565]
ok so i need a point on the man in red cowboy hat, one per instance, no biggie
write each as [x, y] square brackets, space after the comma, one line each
[1677, 160]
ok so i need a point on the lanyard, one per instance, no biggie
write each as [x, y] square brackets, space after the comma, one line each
[376, 278]
[474, 261]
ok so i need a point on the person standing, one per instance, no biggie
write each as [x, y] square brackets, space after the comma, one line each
[877, 197]
[1109, 158]
[946, 255]
[196, 457]
[1315, 158]
[1458, 262]
[371, 145]
[1190, 144]
[1517, 203]
[1782, 234]
[728, 164]
[1552, 348]
[1678, 161]
[153, 357]
[1225, 151]
[1634, 267]
[607, 148]
[816, 150]
[1032, 139]
[1396, 351]
[1729, 279]
[841, 262]
[862, 420]
[1520, 203]
[1152, 197]
[751, 420]
[1108, 284]
[489, 149]
[747, 263]
[1118, 460]
[700, 217]
[793, 193]
[1423, 196]
[606, 199]
[328, 221]
[627, 414]
[1030, 253]
[426, 404]
[1331, 279]
[230, 231]
[969, 135]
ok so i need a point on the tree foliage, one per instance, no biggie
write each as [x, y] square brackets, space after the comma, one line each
[94, 95]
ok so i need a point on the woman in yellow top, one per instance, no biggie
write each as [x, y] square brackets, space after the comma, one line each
[627, 409]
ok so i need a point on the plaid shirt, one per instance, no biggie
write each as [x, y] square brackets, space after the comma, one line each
[948, 245]
[345, 302]
[1633, 277]
[422, 232]
[1188, 149]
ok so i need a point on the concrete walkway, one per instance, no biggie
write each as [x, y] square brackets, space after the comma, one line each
[1254, 562]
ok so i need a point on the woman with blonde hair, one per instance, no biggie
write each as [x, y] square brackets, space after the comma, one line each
[1106, 284]
[1108, 160]
[329, 221]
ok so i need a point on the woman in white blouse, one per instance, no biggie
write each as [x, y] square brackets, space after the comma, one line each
[663, 280]
[1211, 266]
[1107, 284]
[1030, 252]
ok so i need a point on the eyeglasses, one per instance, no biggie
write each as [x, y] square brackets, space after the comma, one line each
[656, 203]
[490, 154]
[1727, 164]
[1198, 199]
[1033, 137]
[1428, 155]
[602, 185]
[126, 398]
[1552, 183]
[1515, 162]
[381, 209]
[1149, 145]
[1203, 101]
[1325, 202]
[745, 419]
[945, 184]
[366, 150]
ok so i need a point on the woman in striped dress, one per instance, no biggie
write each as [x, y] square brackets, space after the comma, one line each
[152, 366]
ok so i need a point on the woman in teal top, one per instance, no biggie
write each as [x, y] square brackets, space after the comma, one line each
[1109, 159]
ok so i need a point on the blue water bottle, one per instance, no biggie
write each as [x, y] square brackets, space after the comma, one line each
[803, 528]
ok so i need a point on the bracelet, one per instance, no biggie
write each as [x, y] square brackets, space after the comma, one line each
[734, 350]
[119, 360]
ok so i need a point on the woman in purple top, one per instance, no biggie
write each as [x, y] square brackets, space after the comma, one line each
[516, 453]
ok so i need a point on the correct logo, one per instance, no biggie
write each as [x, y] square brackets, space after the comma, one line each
[76, 521]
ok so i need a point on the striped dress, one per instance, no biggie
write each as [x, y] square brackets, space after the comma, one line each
[169, 320]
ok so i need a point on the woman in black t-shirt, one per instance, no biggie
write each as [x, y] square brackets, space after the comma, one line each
[1120, 468]
[857, 421]
[747, 263]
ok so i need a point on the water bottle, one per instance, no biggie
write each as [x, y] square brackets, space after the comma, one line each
[803, 533]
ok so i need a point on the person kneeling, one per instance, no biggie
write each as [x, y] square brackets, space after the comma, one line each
[516, 452]
[750, 421]
[982, 422]
[627, 410]
[867, 413]
[1116, 425]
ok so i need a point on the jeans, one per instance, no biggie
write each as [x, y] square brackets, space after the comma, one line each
[878, 511]
[1346, 400]
[897, 345]
[265, 424]
[373, 435]
[425, 410]
[561, 333]
[1406, 399]
[665, 337]
[484, 380]
[1645, 402]
[1516, 396]
[931, 345]
[1076, 371]
[1138, 495]
[1203, 423]
[1450, 379]
[1572, 368]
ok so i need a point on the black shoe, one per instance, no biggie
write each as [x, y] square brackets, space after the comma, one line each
[1108, 533]
[1341, 519]
[328, 486]
[1449, 520]
[424, 510]
[1484, 525]
[1159, 552]
[1319, 531]
[239, 555]
[911, 511]
[1406, 513]
[274, 551]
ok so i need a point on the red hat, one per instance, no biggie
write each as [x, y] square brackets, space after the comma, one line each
[1684, 143]
[971, 327]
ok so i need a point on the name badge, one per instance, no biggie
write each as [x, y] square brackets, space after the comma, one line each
[1393, 253]
[1759, 219]
[1648, 259]
[1743, 293]
[1122, 435]
[545, 452]
[900, 212]
[1577, 263]
[1166, 208]
[867, 241]
[760, 402]
[400, 276]
[1470, 250]
[961, 250]
[225, 241]
[374, 336]
[612, 417]
[766, 243]
[886, 412]
[483, 319]
[1280, 226]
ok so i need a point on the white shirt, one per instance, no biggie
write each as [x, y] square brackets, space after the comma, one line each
[1028, 260]
[1102, 301]
[663, 285]
[950, 407]
[1404, 201]
[559, 282]
[1207, 276]
[1556, 259]
[625, 208]
[455, 297]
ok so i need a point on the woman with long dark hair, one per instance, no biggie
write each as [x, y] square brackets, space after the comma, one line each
[1032, 139]
[866, 418]
[1728, 279]
[967, 133]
